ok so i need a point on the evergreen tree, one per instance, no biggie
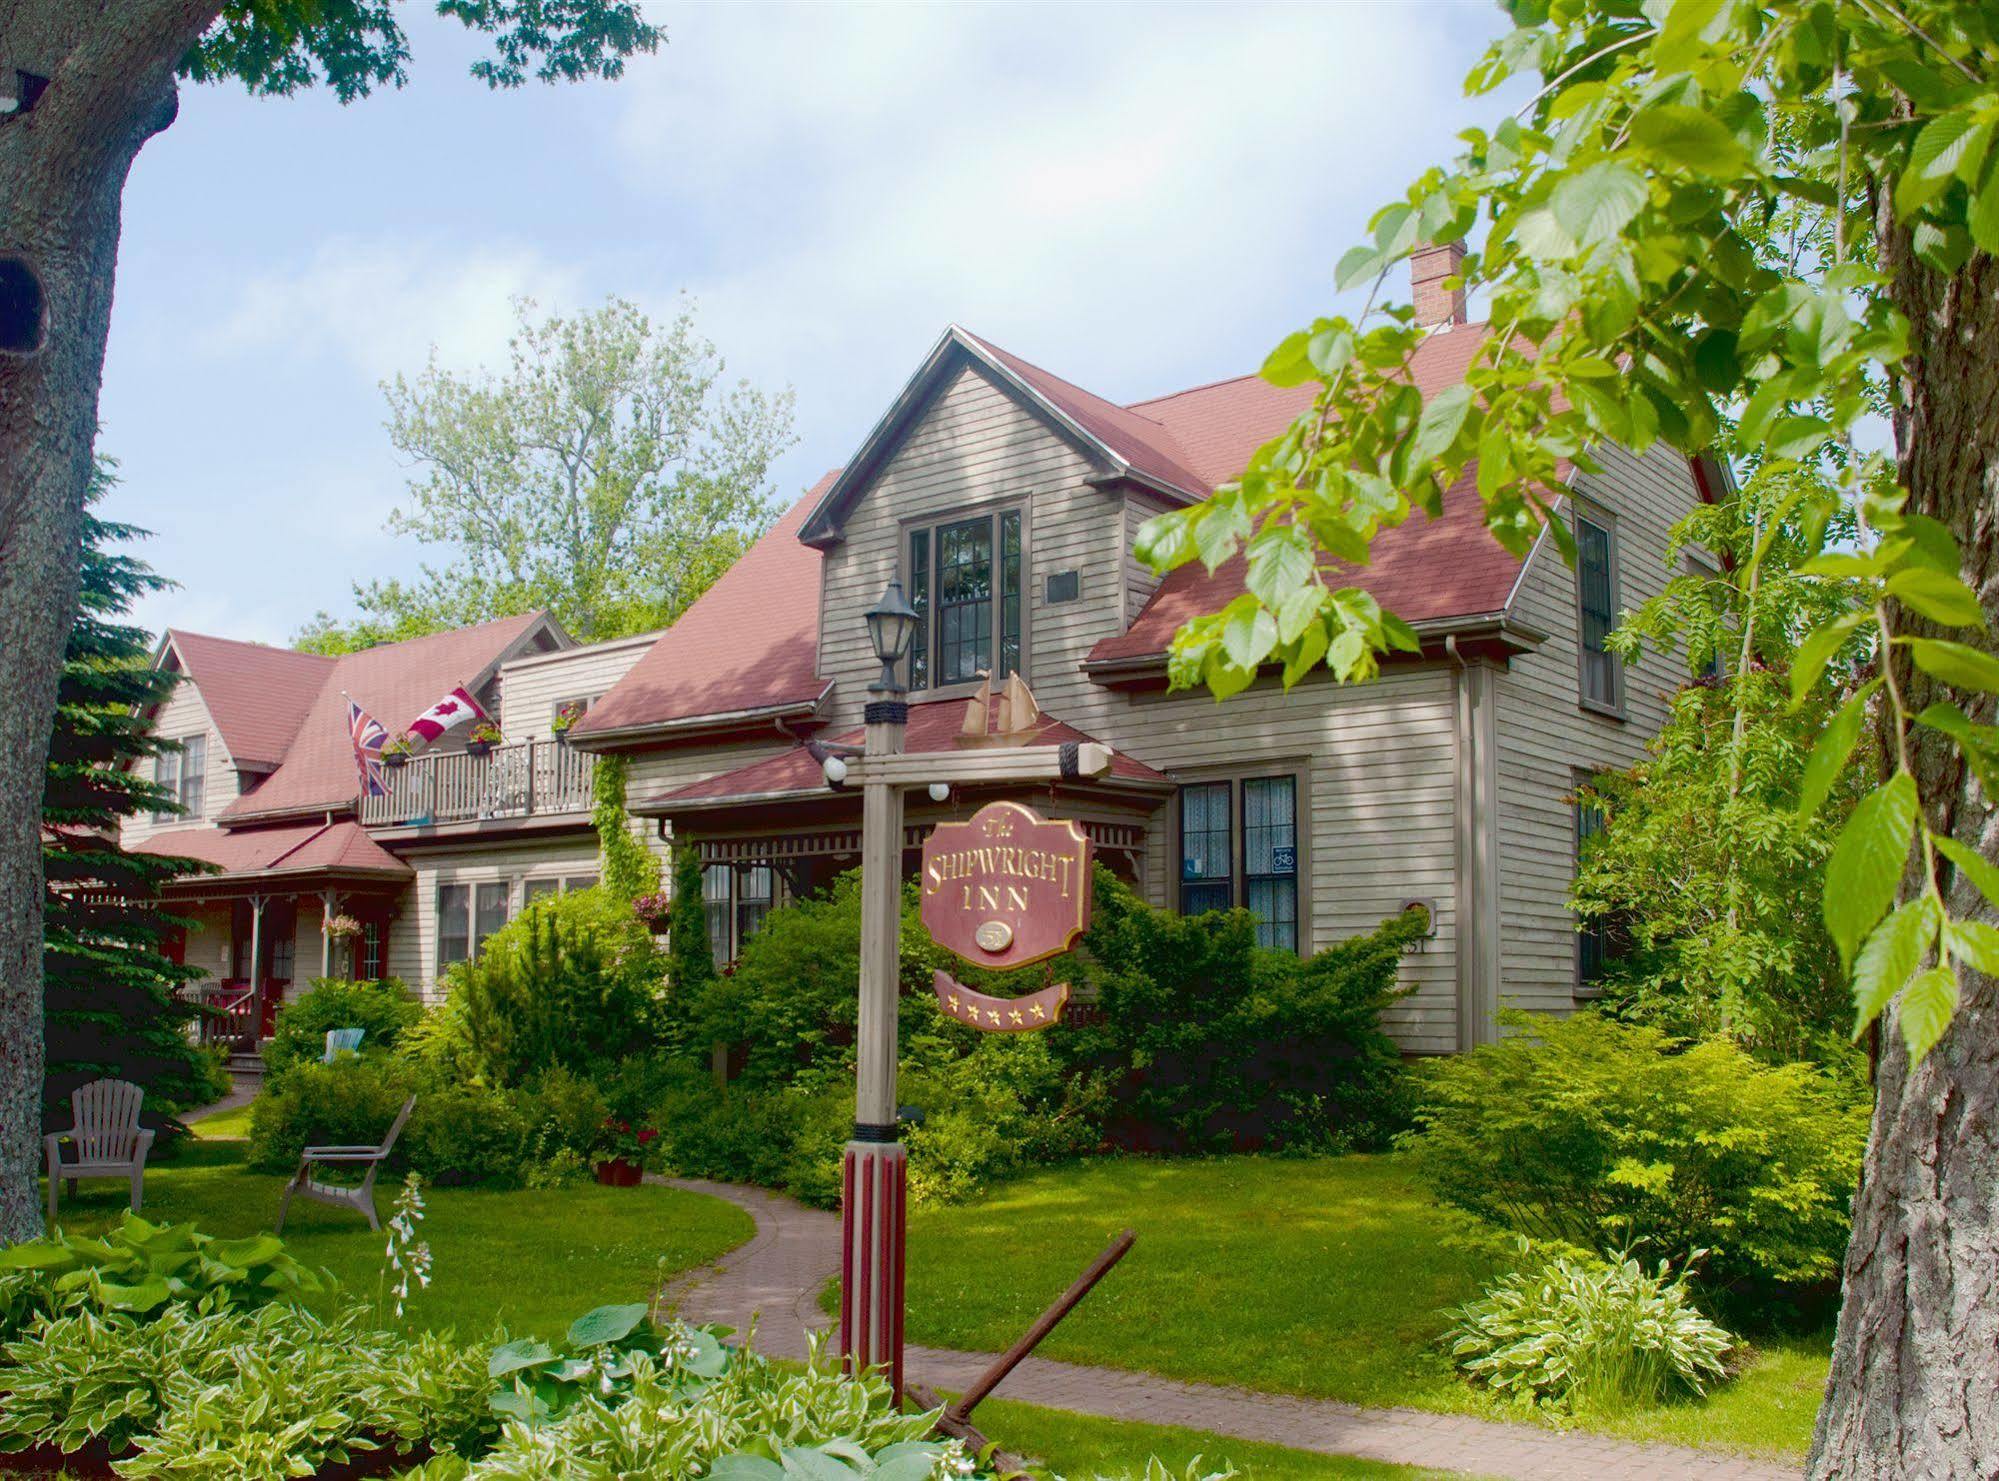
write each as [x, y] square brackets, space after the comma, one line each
[692, 962]
[111, 1007]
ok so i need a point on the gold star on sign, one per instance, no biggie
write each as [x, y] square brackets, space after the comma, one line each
[1014, 1014]
[1039, 1011]
[993, 1014]
[954, 1002]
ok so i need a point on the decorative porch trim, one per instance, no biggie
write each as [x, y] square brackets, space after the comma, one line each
[833, 842]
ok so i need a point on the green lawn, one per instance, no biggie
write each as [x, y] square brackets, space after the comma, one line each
[532, 1260]
[1324, 1277]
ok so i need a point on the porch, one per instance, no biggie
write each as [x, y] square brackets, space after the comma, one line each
[532, 779]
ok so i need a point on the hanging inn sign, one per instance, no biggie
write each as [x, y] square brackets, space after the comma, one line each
[1005, 889]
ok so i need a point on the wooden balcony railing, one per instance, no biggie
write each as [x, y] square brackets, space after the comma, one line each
[518, 781]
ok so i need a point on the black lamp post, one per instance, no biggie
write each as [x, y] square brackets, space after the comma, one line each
[891, 624]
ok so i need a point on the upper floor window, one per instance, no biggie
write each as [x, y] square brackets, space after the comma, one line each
[1239, 846]
[540, 889]
[184, 775]
[1602, 676]
[965, 583]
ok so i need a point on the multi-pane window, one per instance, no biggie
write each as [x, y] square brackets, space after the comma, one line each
[1239, 846]
[368, 963]
[1596, 601]
[1598, 937]
[541, 889]
[965, 581]
[183, 774]
[735, 898]
[466, 915]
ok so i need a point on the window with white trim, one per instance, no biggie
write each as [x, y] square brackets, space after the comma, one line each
[467, 914]
[184, 775]
[553, 884]
[966, 583]
[1602, 675]
[1239, 846]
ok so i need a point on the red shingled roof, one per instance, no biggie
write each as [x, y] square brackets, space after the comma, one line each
[1423, 571]
[257, 695]
[342, 847]
[750, 642]
[933, 726]
[395, 683]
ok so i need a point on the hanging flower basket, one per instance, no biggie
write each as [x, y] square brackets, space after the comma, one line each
[565, 717]
[340, 927]
[483, 738]
[397, 750]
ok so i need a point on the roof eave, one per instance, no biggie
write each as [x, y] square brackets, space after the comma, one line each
[1516, 635]
[623, 736]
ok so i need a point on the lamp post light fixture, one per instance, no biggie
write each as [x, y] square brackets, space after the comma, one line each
[891, 624]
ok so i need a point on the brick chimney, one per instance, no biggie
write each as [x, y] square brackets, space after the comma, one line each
[1429, 265]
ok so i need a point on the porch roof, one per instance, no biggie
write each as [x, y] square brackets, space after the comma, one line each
[933, 727]
[293, 855]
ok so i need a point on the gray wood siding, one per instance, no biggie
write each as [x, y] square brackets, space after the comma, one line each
[1140, 580]
[1546, 736]
[186, 714]
[975, 446]
[531, 688]
[413, 936]
[1378, 768]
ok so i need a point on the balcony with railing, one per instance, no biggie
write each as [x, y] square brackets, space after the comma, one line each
[530, 780]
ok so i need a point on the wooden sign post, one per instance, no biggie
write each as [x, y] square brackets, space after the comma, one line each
[875, 1171]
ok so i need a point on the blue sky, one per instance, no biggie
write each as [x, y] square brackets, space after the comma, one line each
[1138, 197]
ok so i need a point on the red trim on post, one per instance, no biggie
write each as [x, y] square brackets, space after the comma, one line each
[847, 1254]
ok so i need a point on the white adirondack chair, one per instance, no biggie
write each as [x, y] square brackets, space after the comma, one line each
[107, 1140]
[361, 1198]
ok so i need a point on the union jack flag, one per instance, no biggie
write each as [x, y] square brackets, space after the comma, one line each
[369, 735]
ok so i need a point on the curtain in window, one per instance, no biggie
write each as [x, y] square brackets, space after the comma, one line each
[1206, 877]
[454, 924]
[1270, 859]
[194, 776]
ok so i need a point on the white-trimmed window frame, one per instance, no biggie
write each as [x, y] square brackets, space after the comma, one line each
[1583, 513]
[1298, 773]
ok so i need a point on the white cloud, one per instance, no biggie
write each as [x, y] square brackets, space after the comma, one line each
[381, 303]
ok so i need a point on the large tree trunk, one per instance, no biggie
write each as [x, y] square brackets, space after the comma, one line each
[1914, 1390]
[110, 70]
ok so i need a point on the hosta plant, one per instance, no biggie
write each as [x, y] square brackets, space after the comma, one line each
[140, 1266]
[598, 1358]
[1586, 1334]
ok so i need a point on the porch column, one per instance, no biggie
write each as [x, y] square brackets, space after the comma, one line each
[256, 967]
[329, 906]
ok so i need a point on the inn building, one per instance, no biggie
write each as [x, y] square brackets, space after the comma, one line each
[1007, 501]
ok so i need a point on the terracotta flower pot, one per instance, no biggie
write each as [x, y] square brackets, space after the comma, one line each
[616, 1172]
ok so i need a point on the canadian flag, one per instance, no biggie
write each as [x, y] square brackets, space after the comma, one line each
[449, 712]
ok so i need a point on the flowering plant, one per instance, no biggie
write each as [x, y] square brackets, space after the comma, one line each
[620, 1139]
[485, 733]
[400, 744]
[566, 716]
[406, 1261]
[653, 908]
[340, 927]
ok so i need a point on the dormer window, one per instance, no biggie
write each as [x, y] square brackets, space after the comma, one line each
[184, 776]
[965, 583]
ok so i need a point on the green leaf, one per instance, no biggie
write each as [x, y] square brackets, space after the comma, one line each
[1943, 599]
[1831, 752]
[1975, 942]
[1690, 138]
[1597, 203]
[1974, 866]
[1984, 217]
[745, 1468]
[815, 1465]
[1288, 364]
[1248, 634]
[1443, 417]
[1933, 160]
[1889, 958]
[142, 1296]
[1305, 654]
[1359, 264]
[1817, 650]
[36, 1254]
[1927, 1009]
[512, 1357]
[606, 1324]
[1281, 560]
[1956, 663]
[1330, 350]
[1796, 437]
[1867, 861]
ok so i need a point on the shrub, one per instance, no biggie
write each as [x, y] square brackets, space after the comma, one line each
[1604, 1135]
[351, 1101]
[1589, 1334]
[386, 1010]
[990, 1115]
[1207, 1043]
[574, 980]
[465, 1133]
[560, 1112]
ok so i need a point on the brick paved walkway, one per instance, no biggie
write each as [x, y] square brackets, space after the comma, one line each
[776, 1278]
